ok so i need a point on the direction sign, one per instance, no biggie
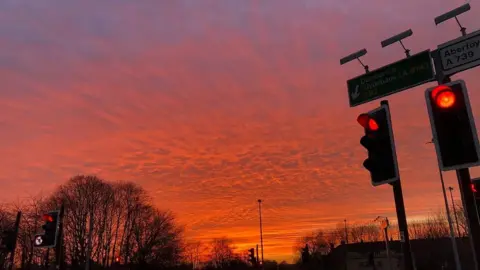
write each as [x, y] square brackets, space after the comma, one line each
[401, 75]
[460, 54]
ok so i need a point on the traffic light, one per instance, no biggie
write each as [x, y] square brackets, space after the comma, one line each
[379, 142]
[7, 240]
[453, 127]
[475, 186]
[251, 256]
[50, 231]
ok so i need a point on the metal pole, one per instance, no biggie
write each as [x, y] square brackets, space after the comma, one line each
[464, 182]
[452, 233]
[256, 260]
[15, 232]
[387, 248]
[402, 219]
[469, 206]
[261, 228]
[59, 246]
[346, 232]
[47, 258]
[402, 225]
[454, 211]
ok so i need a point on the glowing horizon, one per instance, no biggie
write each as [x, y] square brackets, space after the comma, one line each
[211, 105]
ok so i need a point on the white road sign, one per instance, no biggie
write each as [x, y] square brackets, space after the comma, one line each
[460, 54]
[38, 240]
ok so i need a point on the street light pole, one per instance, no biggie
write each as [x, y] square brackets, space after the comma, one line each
[261, 228]
[346, 232]
[449, 218]
[454, 211]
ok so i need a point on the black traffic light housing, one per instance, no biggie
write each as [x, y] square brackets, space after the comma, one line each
[453, 127]
[476, 189]
[379, 142]
[251, 256]
[476, 192]
[48, 238]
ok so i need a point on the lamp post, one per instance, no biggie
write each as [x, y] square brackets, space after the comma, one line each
[261, 228]
[454, 211]
[346, 231]
[449, 218]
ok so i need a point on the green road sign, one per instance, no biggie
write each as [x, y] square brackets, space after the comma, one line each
[404, 74]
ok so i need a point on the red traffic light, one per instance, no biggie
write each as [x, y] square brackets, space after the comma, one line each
[444, 96]
[367, 122]
[47, 218]
[472, 186]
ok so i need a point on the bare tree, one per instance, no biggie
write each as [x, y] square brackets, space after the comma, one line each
[221, 252]
[372, 233]
[359, 233]
[460, 218]
[433, 227]
[193, 253]
[156, 239]
[6, 222]
[105, 221]
[317, 242]
[32, 208]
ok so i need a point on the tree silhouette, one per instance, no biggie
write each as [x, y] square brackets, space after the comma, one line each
[107, 221]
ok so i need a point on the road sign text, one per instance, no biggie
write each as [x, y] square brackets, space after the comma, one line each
[401, 75]
[460, 54]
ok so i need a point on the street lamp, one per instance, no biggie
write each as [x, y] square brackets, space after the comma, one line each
[454, 211]
[449, 218]
[261, 229]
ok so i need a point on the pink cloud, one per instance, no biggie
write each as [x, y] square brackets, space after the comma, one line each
[211, 106]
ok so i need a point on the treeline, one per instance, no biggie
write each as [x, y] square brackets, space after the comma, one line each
[126, 230]
[221, 253]
[434, 226]
[119, 218]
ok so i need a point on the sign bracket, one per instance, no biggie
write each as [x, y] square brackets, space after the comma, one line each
[463, 29]
[364, 66]
[453, 14]
[407, 51]
[353, 56]
[398, 38]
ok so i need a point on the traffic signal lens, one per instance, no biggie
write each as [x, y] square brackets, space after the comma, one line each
[472, 186]
[372, 124]
[443, 96]
[445, 99]
[362, 119]
[47, 218]
[367, 122]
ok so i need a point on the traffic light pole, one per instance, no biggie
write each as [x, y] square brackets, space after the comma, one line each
[402, 225]
[402, 219]
[59, 247]
[16, 228]
[469, 205]
[464, 182]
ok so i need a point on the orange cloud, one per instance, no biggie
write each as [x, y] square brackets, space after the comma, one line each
[213, 105]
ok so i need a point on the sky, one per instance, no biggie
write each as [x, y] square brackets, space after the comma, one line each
[212, 104]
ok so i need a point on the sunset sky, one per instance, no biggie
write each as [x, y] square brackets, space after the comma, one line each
[212, 104]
